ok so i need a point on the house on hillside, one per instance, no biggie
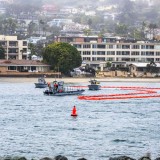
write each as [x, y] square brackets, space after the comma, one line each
[34, 40]
[59, 22]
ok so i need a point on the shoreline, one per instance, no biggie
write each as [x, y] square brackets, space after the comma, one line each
[79, 80]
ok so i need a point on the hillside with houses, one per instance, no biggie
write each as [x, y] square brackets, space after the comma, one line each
[109, 35]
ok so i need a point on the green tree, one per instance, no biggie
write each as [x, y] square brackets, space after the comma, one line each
[108, 64]
[2, 53]
[121, 29]
[87, 32]
[9, 26]
[32, 27]
[32, 49]
[62, 56]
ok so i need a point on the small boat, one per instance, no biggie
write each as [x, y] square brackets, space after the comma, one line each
[41, 83]
[58, 89]
[94, 85]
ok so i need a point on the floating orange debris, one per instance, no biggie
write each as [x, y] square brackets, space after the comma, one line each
[138, 93]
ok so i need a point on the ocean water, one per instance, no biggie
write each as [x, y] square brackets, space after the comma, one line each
[34, 125]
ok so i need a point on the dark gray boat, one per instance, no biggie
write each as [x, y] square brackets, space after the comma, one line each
[94, 85]
[41, 83]
[58, 89]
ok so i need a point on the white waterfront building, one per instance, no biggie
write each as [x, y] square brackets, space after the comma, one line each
[97, 51]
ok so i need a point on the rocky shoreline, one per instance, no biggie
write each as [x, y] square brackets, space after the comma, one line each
[60, 157]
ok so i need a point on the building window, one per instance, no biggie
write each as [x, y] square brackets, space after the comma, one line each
[87, 58]
[150, 59]
[149, 46]
[125, 46]
[12, 68]
[157, 59]
[143, 47]
[86, 46]
[143, 53]
[110, 46]
[119, 53]
[125, 53]
[119, 46]
[100, 52]
[3, 43]
[149, 53]
[100, 58]
[109, 59]
[94, 53]
[88, 39]
[110, 52]
[86, 53]
[135, 46]
[94, 46]
[133, 59]
[24, 43]
[24, 50]
[12, 50]
[101, 46]
[125, 59]
[157, 53]
[94, 58]
[135, 53]
[13, 43]
[33, 68]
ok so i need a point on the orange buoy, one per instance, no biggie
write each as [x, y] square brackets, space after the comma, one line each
[74, 112]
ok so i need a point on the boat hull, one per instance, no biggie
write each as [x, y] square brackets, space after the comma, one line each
[50, 93]
[94, 87]
[40, 85]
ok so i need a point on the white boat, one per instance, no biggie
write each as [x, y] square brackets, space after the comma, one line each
[94, 85]
[58, 89]
[41, 83]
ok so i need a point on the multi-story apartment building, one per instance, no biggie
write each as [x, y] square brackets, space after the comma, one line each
[97, 51]
[14, 49]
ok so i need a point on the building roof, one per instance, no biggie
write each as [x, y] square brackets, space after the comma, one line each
[143, 64]
[4, 62]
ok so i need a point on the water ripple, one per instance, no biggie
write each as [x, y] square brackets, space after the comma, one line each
[34, 125]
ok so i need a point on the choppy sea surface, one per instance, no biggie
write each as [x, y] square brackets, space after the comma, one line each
[34, 125]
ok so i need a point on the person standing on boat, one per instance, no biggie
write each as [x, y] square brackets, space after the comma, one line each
[56, 86]
[49, 86]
